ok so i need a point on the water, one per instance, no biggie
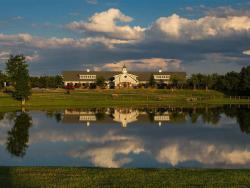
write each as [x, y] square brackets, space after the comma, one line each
[128, 137]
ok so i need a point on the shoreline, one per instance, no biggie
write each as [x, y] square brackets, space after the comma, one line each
[122, 98]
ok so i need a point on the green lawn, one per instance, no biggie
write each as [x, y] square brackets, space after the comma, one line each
[128, 97]
[95, 177]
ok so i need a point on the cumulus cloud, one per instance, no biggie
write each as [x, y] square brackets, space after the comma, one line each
[225, 11]
[104, 29]
[207, 153]
[31, 58]
[175, 27]
[106, 156]
[144, 65]
[54, 42]
[111, 34]
[106, 23]
[246, 52]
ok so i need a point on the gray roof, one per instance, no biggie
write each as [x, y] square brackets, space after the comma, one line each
[142, 76]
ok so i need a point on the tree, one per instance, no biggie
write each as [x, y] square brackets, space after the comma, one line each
[2, 80]
[18, 136]
[152, 81]
[177, 81]
[22, 86]
[232, 81]
[194, 81]
[174, 81]
[245, 80]
[243, 118]
[100, 81]
[12, 66]
[58, 81]
[17, 70]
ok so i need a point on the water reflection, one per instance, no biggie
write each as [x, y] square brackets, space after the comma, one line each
[18, 136]
[124, 116]
[128, 137]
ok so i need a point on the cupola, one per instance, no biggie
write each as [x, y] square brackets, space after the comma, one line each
[124, 69]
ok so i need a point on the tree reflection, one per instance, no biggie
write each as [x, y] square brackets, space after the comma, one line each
[18, 136]
[244, 120]
[211, 115]
[242, 115]
[2, 114]
[58, 117]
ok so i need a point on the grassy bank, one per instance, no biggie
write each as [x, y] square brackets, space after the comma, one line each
[94, 177]
[129, 97]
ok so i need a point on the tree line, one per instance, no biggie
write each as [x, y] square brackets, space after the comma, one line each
[232, 83]
[46, 81]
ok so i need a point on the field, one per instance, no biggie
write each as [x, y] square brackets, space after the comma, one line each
[128, 97]
[95, 177]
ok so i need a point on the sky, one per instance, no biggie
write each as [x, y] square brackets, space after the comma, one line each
[208, 36]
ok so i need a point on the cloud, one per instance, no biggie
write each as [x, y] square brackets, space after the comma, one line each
[5, 126]
[178, 152]
[93, 2]
[54, 42]
[18, 18]
[106, 24]
[175, 27]
[30, 58]
[246, 52]
[111, 146]
[226, 11]
[74, 14]
[4, 55]
[112, 36]
[33, 58]
[106, 155]
[55, 136]
[144, 65]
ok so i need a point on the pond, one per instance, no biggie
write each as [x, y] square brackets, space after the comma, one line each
[127, 137]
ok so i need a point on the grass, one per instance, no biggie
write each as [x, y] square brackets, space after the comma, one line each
[98, 177]
[122, 97]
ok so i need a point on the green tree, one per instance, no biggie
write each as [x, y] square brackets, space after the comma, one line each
[58, 81]
[17, 70]
[245, 80]
[232, 82]
[2, 79]
[100, 81]
[22, 86]
[174, 81]
[18, 136]
[152, 81]
[194, 81]
[12, 66]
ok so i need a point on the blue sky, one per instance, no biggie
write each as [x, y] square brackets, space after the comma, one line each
[193, 36]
